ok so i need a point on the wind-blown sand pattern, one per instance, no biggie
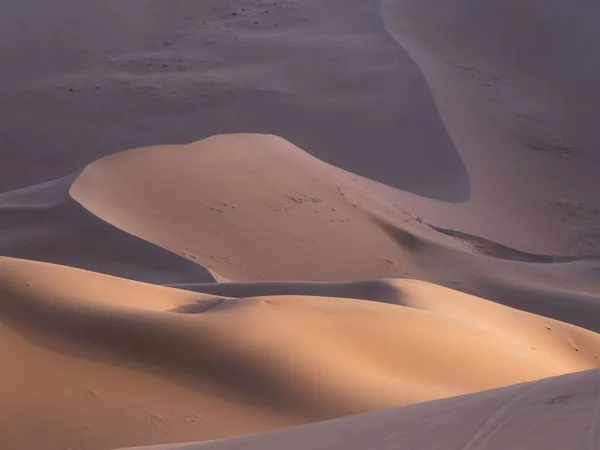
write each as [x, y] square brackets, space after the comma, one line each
[299, 225]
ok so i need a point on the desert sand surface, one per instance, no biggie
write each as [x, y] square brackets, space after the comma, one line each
[321, 224]
[559, 412]
[43, 223]
[105, 362]
[474, 127]
[275, 200]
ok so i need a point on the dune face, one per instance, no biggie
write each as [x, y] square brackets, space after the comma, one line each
[105, 343]
[272, 201]
[554, 413]
[322, 224]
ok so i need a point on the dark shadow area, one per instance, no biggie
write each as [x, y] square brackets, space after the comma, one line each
[198, 307]
[56, 229]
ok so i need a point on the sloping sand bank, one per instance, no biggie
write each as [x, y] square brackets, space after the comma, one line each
[554, 413]
[100, 362]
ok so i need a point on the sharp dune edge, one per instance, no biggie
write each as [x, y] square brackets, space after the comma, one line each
[387, 238]
[273, 200]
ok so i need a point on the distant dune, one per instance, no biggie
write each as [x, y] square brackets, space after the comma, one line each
[521, 108]
[348, 94]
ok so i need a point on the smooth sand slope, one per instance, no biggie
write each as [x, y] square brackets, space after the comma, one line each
[521, 108]
[174, 74]
[555, 413]
[421, 96]
[247, 207]
[126, 363]
[255, 207]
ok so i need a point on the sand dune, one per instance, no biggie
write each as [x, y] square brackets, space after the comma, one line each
[265, 362]
[349, 94]
[223, 359]
[43, 223]
[243, 224]
[276, 200]
[555, 413]
[432, 103]
[370, 204]
[521, 109]
[272, 200]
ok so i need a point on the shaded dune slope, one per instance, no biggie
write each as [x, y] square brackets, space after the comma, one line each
[521, 108]
[243, 223]
[265, 361]
[43, 223]
[559, 413]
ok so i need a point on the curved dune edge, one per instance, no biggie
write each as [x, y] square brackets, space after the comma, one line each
[141, 364]
[241, 204]
[43, 223]
[517, 113]
[352, 113]
[559, 412]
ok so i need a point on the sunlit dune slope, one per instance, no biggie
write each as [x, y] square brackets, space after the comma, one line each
[130, 364]
[246, 207]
